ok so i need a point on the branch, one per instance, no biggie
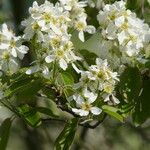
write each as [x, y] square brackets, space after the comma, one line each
[87, 125]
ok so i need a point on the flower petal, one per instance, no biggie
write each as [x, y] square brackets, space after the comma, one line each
[13, 52]
[90, 29]
[32, 70]
[49, 59]
[79, 100]
[81, 36]
[91, 97]
[83, 112]
[95, 110]
[63, 64]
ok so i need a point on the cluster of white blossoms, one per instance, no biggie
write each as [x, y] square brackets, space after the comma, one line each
[84, 104]
[119, 23]
[11, 49]
[78, 16]
[99, 79]
[50, 25]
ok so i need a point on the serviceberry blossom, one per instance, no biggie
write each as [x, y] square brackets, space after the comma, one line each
[99, 77]
[11, 49]
[84, 104]
[119, 23]
[78, 16]
[49, 24]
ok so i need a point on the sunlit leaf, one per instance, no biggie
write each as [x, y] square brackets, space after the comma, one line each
[65, 139]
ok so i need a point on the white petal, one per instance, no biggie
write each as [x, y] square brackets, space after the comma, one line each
[41, 23]
[32, 70]
[121, 37]
[45, 71]
[111, 31]
[13, 52]
[79, 100]
[4, 46]
[77, 111]
[56, 30]
[115, 100]
[76, 69]
[83, 112]
[91, 97]
[63, 64]
[23, 49]
[49, 58]
[81, 36]
[106, 97]
[119, 21]
[90, 29]
[95, 110]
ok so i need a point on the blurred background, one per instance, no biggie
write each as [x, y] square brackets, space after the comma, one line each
[111, 134]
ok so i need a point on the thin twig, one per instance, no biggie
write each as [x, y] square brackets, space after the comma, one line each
[87, 125]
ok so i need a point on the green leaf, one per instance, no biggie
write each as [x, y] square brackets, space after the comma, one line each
[4, 133]
[29, 115]
[49, 92]
[88, 56]
[66, 137]
[112, 111]
[130, 84]
[142, 111]
[46, 111]
[24, 86]
[67, 79]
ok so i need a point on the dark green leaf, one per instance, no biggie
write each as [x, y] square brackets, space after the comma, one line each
[88, 56]
[4, 133]
[24, 86]
[29, 115]
[142, 111]
[49, 92]
[130, 84]
[65, 139]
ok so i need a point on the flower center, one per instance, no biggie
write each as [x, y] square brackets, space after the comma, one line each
[12, 44]
[5, 55]
[60, 53]
[35, 26]
[80, 26]
[86, 106]
[101, 74]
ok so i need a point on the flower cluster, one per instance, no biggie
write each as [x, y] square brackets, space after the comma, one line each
[101, 81]
[50, 25]
[78, 16]
[100, 77]
[11, 49]
[119, 23]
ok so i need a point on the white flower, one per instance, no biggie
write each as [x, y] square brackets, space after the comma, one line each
[63, 57]
[50, 23]
[39, 68]
[78, 17]
[119, 23]
[101, 78]
[11, 49]
[85, 104]
[82, 27]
